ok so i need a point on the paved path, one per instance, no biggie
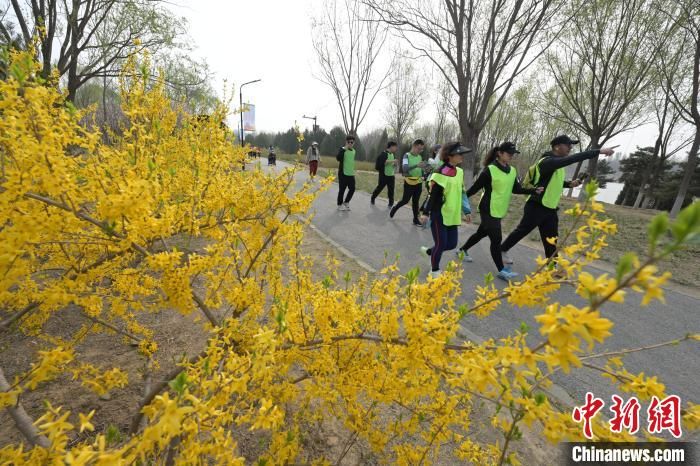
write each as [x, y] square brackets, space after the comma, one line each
[368, 233]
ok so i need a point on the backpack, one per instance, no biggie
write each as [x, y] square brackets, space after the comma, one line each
[532, 177]
[377, 162]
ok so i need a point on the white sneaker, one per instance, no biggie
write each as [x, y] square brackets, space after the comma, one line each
[434, 274]
[342, 208]
[466, 257]
[506, 258]
[347, 206]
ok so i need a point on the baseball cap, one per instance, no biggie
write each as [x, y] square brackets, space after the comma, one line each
[460, 149]
[314, 143]
[563, 139]
[509, 147]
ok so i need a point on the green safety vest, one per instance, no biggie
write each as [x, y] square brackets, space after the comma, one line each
[414, 160]
[452, 204]
[501, 190]
[389, 169]
[555, 187]
[349, 162]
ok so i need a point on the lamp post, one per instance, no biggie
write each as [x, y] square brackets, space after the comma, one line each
[240, 90]
[315, 127]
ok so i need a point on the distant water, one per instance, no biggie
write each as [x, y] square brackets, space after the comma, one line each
[608, 194]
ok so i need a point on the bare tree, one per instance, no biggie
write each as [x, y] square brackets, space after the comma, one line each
[348, 45]
[445, 113]
[70, 29]
[404, 95]
[686, 93]
[480, 47]
[603, 65]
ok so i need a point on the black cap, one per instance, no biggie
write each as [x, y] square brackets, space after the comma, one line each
[460, 149]
[509, 147]
[563, 139]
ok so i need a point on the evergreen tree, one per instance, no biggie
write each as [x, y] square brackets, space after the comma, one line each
[333, 141]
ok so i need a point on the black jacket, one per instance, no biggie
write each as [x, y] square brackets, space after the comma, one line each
[340, 156]
[484, 181]
[550, 163]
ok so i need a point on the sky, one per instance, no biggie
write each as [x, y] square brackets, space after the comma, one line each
[271, 40]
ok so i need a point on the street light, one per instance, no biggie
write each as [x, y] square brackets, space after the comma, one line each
[240, 90]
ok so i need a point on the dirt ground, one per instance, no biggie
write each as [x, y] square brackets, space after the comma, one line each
[178, 335]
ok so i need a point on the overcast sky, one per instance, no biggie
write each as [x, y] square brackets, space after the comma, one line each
[271, 40]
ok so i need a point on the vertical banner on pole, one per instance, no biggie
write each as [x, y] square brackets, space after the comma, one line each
[249, 118]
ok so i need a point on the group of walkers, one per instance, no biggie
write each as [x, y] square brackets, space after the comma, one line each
[447, 203]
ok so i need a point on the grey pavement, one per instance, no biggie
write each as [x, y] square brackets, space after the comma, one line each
[371, 237]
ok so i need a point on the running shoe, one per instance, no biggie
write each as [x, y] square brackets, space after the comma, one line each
[507, 274]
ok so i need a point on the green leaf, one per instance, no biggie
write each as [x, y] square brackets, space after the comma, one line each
[624, 265]
[488, 278]
[327, 282]
[412, 275]
[687, 224]
[657, 227]
[462, 310]
[591, 189]
[540, 398]
[524, 327]
[179, 383]
[112, 434]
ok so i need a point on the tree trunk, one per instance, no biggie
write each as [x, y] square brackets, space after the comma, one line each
[688, 175]
[646, 174]
[470, 138]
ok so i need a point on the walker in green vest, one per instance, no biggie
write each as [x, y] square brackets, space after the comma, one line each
[501, 190]
[389, 168]
[452, 205]
[555, 187]
[349, 162]
[414, 160]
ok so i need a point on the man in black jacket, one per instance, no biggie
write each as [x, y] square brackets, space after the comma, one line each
[541, 209]
[346, 172]
[386, 165]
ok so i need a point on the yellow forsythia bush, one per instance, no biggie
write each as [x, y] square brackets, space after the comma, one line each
[89, 226]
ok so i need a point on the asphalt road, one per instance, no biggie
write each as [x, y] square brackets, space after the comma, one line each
[370, 235]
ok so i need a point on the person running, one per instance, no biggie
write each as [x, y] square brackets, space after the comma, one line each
[541, 209]
[386, 165]
[499, 181]
[346, 172]
[313, 158]
[432, 164]
[446, 204]
[412, 168]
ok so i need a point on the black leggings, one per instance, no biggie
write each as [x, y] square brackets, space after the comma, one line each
[535, 215]
[410, 192]
[345, 181]
[491, 227]
[387, 181]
